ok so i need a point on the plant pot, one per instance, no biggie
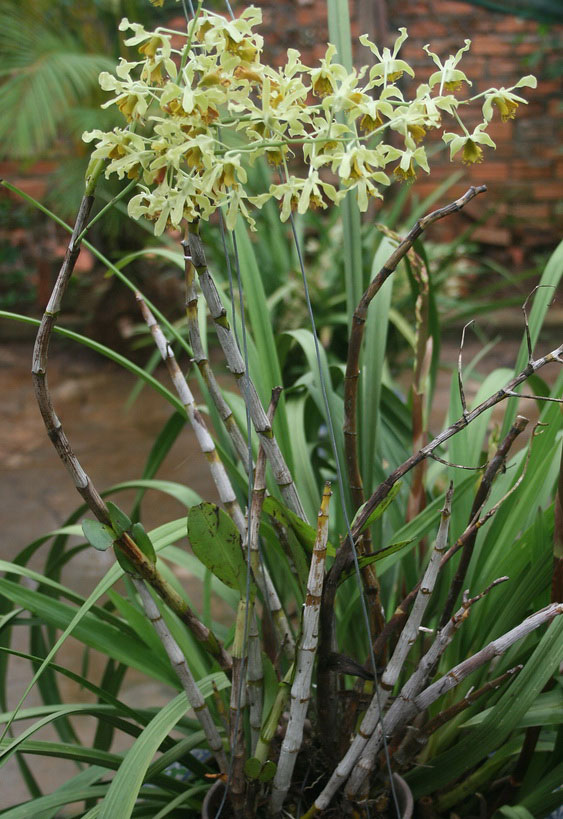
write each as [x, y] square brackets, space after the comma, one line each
[214, 796]
[404, 797]
[212, 802]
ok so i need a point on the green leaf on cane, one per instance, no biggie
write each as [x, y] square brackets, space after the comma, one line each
[125, 563]
[268, 771]
[216, 542]
[252, 768]
[143, 541]
[97, 534]
[119, 520]
[379, 509]
[305, 533]
[366, 560]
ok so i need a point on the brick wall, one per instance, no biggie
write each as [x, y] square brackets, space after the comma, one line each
[525, 173]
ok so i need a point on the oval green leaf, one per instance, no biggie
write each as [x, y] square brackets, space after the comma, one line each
[216, 542]
[125, 563]
[252, 767]
[97, 534]
[268, 771]
[143, 541]
[119, 520]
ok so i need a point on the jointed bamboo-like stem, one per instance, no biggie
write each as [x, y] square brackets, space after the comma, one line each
[272, 720]
[494, 649]
[343, 556]
[357, 332]
[557, 579]
[204, 439]
[254, 681]
[367, 741]
[411, 630]
[410, 690]
[237, 706]
[391, 673]
[260, 571]
[220, 477]
[399, 617]
[351, 379]
[236, 364]
[422, 361]
[200, 358]
[180, 666]
[301, 688]
[62, 445]
[501, 395]
[416, 738]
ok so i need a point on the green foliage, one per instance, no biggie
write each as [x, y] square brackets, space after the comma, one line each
[97, 534]
[469, 752]
[216, 541]
[143, 541]
[518, 537]
[380, 508]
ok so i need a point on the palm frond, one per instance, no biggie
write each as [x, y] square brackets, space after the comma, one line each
[46, 72]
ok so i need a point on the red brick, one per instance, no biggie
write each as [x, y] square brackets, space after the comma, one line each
[501, 131]
[35, 187]
[513, 25]
[546, 151]
[456, 10]
[410, 50]
[524, 48]
[555, 108]
[522, 169]
[505, 68]
[532, 108]
[547, 87]
[489, 171]
[307, 15]
[492, 235]
[548, 190]
[318, 52]
[42, 167]
[473, 67]
[427, 30]
[534, 212]
[480, 85]
[414, 9]
[491, 45]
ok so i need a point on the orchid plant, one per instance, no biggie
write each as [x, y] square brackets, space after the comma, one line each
[297, 709]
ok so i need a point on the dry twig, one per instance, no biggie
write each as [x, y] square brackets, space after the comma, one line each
[82, 482]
